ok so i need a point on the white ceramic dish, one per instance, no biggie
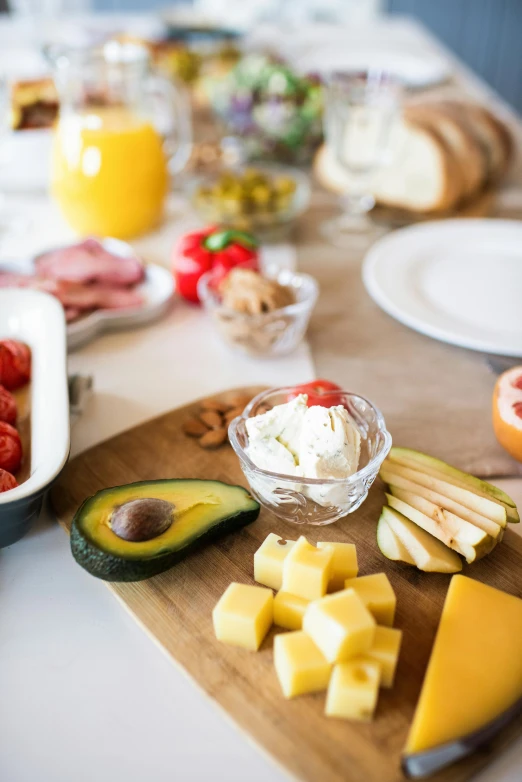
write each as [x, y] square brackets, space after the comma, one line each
[157, 290]
[37, 319]
[459, 281]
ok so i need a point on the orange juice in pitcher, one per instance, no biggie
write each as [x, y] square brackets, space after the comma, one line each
[110, 165]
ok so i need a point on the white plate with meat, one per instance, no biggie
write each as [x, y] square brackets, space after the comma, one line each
[102, 285]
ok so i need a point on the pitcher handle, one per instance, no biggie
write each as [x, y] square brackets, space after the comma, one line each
[178, 133]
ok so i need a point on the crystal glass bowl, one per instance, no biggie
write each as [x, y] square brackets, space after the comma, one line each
[268, 334]
[268, 223]
[314, 500]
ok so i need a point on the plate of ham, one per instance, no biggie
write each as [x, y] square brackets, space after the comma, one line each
[101, 284]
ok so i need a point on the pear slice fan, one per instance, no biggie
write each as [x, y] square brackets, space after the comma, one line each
[436, 512]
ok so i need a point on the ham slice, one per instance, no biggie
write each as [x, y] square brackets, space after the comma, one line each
[84, 278]
[97, 297]
[87, 262]
[76, 298]
[13, 280]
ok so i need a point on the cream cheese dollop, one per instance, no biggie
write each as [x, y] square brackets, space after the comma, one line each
[309, 442]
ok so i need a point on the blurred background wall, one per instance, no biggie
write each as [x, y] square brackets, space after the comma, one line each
[485, 34]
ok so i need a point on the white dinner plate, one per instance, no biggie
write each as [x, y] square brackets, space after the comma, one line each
[157, 290]
[412, 70]
[459, 281]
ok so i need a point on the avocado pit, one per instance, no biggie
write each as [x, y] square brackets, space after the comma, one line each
[141, 519]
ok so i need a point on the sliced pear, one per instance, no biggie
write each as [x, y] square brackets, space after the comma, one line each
[428, 553]
[486, 507]
[444, 502]
[442, 508]
[461, 536]
[390, 545]
[439, 469]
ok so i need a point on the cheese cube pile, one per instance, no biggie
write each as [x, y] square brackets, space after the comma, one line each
[341, 636]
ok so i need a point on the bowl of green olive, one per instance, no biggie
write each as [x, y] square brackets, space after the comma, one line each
[263, 199]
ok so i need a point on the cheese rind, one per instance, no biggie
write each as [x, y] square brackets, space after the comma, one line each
[475, 669]
[243, 615]
[289, 610]
[353, 689]
[306, 570]
[377, 594]
[344, 564]
[340, 625]
[385, 651]
[300, 666]
[268, 560]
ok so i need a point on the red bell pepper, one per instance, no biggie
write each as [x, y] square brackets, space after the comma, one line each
[213, 248]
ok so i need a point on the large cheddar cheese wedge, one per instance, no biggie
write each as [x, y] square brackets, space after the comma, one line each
[475, 671]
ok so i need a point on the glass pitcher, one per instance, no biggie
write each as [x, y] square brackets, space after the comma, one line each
[121, 132]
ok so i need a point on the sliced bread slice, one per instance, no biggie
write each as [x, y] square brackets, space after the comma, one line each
[468, 154]
[494, 135]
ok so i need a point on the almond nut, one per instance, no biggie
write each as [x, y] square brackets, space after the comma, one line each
[239, 400]
[193, 427]
[215, 404]
[212, 419]
[213, 438]
[233, 414]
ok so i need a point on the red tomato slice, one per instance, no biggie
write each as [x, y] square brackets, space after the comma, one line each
[8, 410]
[316, 391]
[10, 448]
[7, 481]
[15, 364]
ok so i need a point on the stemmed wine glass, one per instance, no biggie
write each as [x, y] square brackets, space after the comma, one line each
[360, 111]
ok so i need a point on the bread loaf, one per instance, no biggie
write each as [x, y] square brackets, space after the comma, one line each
[443, 153]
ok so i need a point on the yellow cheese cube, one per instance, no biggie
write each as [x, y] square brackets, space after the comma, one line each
[269, 558]
[243, 615]
[344, 564]
[289, 610]
[299, 664]
[340, 625]
[385, 651]
[377, 594]
[306, 570]
[353, 689]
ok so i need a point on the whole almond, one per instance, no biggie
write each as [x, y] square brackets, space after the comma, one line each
[233, 414]
[239, 400]
[193, 427]
[215, 404]
[213, 438]
[212, 419]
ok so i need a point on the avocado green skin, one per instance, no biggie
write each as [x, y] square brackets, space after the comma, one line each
[109, 567]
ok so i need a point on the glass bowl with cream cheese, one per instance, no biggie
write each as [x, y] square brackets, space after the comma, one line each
[310, 465]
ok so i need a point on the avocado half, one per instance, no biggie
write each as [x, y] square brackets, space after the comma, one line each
[199, 512]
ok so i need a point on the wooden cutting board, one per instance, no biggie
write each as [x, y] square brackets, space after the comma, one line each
[175, 609]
